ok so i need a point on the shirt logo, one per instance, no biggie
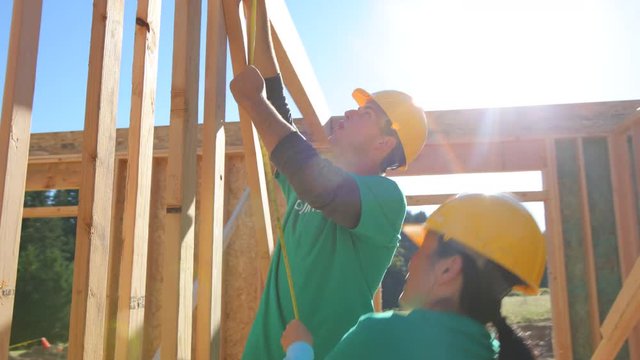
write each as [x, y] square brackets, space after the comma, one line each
[303, 207]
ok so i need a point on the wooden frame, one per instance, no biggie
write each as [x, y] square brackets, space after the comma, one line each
[14, 147]
[252, 151]
[158, 205]
[211, 205]
[177, 292]
[130, 314]
[87, 328]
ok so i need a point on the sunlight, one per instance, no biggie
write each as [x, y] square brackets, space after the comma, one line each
[495, 53]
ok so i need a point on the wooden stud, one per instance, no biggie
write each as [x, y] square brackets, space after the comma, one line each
[14, 149]
[131, 292]
[623, 316]
[211, 194]
[155, 259]
[571, 214]
[587, 246]
[626, 214]
[297, 72]
[88, 302]
[177, 299]
[253, 153]
[115, 254]
[556, 271]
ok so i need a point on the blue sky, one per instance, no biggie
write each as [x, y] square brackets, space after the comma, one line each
[447, 54]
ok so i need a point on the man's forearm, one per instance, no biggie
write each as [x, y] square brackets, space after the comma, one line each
[269, 124]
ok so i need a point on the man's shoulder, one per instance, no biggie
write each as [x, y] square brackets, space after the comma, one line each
[379, 184]
[383, 320]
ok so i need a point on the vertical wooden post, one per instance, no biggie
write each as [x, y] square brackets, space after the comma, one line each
[155, 259]
[555, 259]
[252, 151]
[587, 245]
[626, 213]
[131, 292]
[88, 302]
[211, 200]
[177, 299]
[115, 255]
[14, 149]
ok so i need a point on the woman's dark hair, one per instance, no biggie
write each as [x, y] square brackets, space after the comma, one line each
[481, 297]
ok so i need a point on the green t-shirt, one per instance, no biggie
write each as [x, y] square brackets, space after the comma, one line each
[335, 270]
[420, 334]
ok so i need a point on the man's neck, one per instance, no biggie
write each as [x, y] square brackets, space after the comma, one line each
[444, 304]
[355, 166]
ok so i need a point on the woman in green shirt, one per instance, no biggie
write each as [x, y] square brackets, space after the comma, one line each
[474, 250]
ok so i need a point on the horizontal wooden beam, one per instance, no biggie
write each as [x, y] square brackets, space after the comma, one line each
[451, 126]
[56, 175]
[456, 158]
[526, 155]
[542, 121]
[437, 199]
[50, 212]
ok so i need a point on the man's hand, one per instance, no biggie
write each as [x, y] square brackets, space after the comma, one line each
[295, 331]
[247, 86]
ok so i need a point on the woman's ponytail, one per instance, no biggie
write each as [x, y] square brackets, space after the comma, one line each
[481, 298]
[511, 345]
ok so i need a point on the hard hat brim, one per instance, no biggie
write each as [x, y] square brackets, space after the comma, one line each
[415, 233]
[361, 96]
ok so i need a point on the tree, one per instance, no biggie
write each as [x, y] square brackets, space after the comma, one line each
[45, 271]
[394, 278]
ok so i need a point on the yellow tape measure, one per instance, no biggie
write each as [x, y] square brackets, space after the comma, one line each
[253, 14]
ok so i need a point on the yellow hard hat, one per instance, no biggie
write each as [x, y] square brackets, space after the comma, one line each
[495, 226]
[407, 119]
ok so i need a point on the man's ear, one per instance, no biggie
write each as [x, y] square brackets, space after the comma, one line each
[448, 269]
[387, 143]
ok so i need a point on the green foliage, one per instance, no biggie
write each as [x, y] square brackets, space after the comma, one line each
[45, 272]
[394, 278]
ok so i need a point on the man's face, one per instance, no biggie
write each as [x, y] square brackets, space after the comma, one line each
[360, 130]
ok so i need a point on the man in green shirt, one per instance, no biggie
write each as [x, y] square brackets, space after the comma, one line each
[474, 250]
[343, 218]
